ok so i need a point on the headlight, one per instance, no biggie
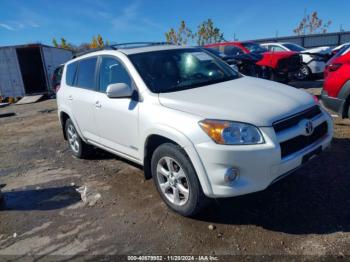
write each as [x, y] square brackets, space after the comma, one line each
[231, 133]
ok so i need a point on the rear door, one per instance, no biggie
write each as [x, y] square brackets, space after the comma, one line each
[116, 118]
[81, 97]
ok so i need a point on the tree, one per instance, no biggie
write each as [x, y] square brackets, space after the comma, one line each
[207, 33]
[64, 43]
[182, 36]
[54, 42]
[94, 43]
[311, 24]
[100, 42]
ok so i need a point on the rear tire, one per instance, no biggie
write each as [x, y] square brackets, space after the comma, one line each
[176, 180]
[79, 148]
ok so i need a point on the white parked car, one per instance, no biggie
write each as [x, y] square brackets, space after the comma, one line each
[336, 49]
[313, 59]
[199, 128]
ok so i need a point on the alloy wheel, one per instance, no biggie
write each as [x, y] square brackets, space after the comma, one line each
[173, 181]
[73, 138]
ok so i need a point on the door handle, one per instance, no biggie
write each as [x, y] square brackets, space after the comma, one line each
[70, 97]
[98, 104]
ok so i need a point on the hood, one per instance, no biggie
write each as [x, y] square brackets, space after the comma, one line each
[281, 54]
[246, 99]
[318, 50]
[271, 59]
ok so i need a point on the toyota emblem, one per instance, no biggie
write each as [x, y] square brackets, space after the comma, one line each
[309, 128]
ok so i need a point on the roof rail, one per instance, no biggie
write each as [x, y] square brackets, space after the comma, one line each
[137, 44]
[121, 45]
[93, 50]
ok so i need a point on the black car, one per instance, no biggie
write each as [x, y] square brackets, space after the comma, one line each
[56, 78]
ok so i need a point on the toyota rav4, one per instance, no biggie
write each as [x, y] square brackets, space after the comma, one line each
[197, 126]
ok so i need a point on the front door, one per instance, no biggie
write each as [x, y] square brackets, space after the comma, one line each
[116, 118]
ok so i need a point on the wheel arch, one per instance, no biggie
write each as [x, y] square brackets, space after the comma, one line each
[155, 138]
[344, 94]
[64, 115]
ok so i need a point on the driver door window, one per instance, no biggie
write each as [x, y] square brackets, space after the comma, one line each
[112, 72]
[116, 118]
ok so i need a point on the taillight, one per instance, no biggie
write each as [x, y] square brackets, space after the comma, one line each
[334, 67]
[57, 87]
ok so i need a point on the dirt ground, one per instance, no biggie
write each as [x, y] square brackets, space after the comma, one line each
[306, 213]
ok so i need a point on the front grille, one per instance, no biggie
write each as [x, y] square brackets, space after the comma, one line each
[297, 143]
[288, 122]
[289, 64]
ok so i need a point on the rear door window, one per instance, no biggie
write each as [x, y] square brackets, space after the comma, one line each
[86, 73]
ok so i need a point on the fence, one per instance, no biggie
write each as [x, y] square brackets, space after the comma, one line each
[315, 40]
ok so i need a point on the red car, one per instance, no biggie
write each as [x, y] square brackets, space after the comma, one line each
[336, 88]
[282, 65]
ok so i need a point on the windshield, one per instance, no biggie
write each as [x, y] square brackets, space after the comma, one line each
[294, 47]
[179, 69]
[343, 51]
[254, 47]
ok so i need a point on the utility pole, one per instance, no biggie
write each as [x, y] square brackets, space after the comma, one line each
[305, 19]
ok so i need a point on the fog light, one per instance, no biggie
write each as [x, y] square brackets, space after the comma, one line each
[231, 174]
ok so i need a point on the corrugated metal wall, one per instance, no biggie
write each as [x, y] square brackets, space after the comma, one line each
[11, 83]
[316, 40]
[53, 57]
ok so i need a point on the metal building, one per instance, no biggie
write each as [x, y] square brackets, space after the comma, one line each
[314, 40]
[27, 69]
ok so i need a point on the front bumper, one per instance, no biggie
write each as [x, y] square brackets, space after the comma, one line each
[333, 103]
[259, 165]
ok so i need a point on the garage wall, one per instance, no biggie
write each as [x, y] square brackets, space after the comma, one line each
[11, 83]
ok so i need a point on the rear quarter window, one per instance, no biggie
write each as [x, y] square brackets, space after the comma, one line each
[70, 74]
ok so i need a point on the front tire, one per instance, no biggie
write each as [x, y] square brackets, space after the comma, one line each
[78, 147]
[304, 73]
[176, 180]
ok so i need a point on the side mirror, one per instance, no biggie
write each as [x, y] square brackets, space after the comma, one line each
[119, 90]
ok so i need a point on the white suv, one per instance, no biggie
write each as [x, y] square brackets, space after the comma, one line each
[198, 127]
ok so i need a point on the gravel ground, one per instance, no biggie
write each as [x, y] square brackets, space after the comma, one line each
[304, 214]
